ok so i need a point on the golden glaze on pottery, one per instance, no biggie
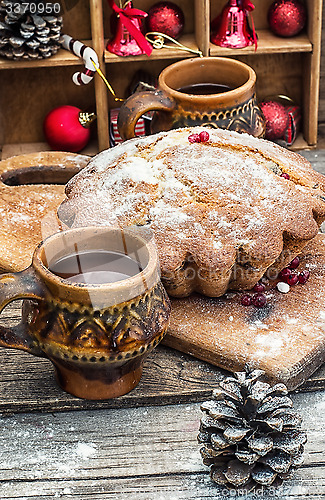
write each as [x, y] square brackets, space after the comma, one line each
[235, 109]
[97, 336]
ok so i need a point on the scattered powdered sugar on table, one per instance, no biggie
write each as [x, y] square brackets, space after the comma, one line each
[34, 444]
[269, 344]
[85, 450]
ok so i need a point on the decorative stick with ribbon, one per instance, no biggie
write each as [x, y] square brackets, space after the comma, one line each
[91, 63]
[87, 54]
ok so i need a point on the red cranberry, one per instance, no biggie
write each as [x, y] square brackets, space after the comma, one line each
[285, 176]
[303, 277]
[204, 136]
[292, 279]
[259, 300]
[194, 138]
[285, 273]
[246, 300]
[294, 263]
[259, 287]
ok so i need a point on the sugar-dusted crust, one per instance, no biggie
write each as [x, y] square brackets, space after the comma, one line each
[220, 211]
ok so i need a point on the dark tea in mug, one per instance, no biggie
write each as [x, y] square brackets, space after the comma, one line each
[95, 267]
[204, 89]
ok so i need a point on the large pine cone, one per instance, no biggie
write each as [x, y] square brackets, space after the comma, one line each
[25, 34]
[250, 434]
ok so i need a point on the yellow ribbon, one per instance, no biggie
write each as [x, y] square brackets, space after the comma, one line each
[110, 88]
[158, 42]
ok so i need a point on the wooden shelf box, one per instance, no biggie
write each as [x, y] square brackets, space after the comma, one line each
[28, 90]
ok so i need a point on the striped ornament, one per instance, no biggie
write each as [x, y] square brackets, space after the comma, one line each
[87, 54]
[115, 137]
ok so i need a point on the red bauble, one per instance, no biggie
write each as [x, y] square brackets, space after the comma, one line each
[167, 18]
[63, 130]
[287, 17]
[276, 119]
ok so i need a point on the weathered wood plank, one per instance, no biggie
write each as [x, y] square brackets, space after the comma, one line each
[174, 487]
[27, 383]
[321, 114]
[315, 382]
[141, 453]
[316, 158]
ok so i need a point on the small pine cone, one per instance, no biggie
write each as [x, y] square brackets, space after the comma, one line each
[28, 35]
[250, 434]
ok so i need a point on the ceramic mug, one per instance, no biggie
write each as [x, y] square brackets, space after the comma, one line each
[236, 109]
[96, 334]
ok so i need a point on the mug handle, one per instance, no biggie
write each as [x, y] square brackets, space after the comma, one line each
[138, 104]
[15, 286]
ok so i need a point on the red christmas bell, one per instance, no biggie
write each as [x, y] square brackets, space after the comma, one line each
[232, 27]
[128, 39]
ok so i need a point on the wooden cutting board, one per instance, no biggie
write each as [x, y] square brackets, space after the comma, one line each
[31, 189]
[286, 338]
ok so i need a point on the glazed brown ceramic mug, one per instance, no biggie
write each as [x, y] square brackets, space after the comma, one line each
[96, 308]
[213, 91]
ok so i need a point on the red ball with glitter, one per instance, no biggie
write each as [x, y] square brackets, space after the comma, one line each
[276, 119]
[287, 17]
[167, 18]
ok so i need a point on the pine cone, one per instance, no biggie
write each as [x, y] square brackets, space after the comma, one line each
[250, 434]
[26, 35]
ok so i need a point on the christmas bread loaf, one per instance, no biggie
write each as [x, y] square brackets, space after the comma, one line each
[223, 206]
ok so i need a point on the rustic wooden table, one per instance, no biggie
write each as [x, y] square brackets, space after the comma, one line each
[141, 446]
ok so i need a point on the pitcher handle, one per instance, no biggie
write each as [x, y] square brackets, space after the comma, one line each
[15, 286]
[138, 104]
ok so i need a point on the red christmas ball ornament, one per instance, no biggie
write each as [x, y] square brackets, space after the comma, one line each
[167, 18]
[276, 119]
[287, 17]
[66, 128]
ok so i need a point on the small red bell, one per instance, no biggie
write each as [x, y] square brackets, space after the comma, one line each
[127, 26]
[232, 27]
